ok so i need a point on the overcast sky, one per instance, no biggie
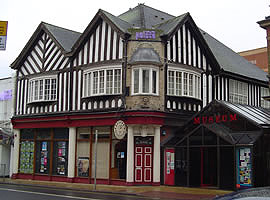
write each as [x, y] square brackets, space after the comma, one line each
[232, 22]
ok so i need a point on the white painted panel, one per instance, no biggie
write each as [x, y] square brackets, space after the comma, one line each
[74, 90]
[184, 44]
[58, 62]
[204, 91]
[169, 51]
[174, 49]
[50, 56]
[60, 93]
[218, 89]
[64, 91]
[28, 67]
[52, 46]
[189, 48]
[114, 45]
[79, 90]
[226, 90]
[32, 63]
[51, 64]
[204, 62]
[23, 71]
[64, 63]
[91, 49]
[179, 45]
[25, 96]
[102, 40]
[97, 44]
[68, 92]
[41, 44]
[21, 99]
[121, 49]
[80, 57]
[85, 53]
[37, 59]
[109, 43]
[199, 57]
[194, 52]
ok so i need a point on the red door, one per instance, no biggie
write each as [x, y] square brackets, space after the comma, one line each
[143, 164]
[169, 166]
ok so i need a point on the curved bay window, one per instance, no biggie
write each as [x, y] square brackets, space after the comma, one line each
[145, 80]
[44, 151]
[102, 81]
[184, 83]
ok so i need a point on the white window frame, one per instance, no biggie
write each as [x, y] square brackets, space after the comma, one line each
[151, 69]
[264, 93]
[99, 86]
[238, 92]
[37, 89]
[189, 81]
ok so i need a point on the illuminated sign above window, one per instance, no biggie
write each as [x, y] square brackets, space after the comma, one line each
[146, 35]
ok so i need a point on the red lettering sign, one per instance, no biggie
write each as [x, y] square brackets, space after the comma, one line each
[214, 119]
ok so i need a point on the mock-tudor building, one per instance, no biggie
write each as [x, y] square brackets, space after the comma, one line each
[134, 80]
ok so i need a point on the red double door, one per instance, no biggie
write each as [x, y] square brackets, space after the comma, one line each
[143, 164]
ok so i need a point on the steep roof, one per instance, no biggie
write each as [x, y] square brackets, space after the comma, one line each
[66, 38]
[145, 17]
[230, 61]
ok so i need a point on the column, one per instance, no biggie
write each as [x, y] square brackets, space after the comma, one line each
[16, 151]
[156, 161]
[71, 153]
[130, 156]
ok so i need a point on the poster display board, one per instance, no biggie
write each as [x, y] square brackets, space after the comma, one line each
[244, 167]
[83, 166]
[61, 158]
[27, 157]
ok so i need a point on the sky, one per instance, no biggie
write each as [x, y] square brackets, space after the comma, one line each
[232, 22]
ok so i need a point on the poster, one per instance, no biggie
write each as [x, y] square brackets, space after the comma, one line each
[61, 158]
[83, 166]
[44, 157]
[26, 157]
[244, 167]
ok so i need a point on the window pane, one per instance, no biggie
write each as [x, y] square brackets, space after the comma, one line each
[190, 84]
[171, 83]
[43, 157]
[178, 83]
[40, 89]
[89, 84]
[60, 158]
[109, 82]
[36, 90]
[47, 89]
[136, 81]
[95, 82]
[117, 81]
[185, 84]
[154, 82]
[53, 89]
[145, 77]
[101, 82]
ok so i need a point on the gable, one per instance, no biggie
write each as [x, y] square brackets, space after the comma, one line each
[185, 46]
[45, 55]
[103, 43]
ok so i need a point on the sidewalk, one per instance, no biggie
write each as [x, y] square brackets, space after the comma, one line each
[159, 192]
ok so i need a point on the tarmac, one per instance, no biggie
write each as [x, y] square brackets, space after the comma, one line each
[155, 192]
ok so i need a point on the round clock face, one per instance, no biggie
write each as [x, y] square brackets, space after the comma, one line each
[120, 129]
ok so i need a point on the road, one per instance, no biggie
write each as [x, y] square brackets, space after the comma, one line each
[26, 192]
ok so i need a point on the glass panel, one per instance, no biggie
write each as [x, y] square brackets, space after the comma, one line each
[117, 81]
[47, 89]
[95, 82]
[178, 83]
[44, 134]
[154, 82]
[27, 134]
[36, 90]
[26, 157]
[136, 81]
[190, 85]
[171, 83]
[60, 133]
[145, 79]
[185, 84]
[83, 152]
[101, 82]
[43, 157]
[40, 89]
[53, 89]
[109, 82]
[60, 158]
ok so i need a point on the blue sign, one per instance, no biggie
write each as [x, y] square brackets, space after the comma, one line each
[146, 35]
[6, 95]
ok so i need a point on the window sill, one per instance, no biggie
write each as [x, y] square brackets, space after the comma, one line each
[42, 102]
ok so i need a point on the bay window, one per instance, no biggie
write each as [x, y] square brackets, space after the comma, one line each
[265, 93]
[145, 80]
[238, 92]
[102, 82]
[42, 89]
[183, 83]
